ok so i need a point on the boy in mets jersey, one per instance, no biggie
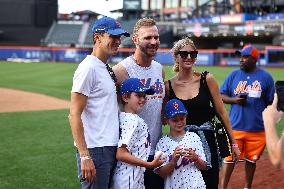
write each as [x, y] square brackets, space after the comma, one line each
[182, 150]
[134, 141]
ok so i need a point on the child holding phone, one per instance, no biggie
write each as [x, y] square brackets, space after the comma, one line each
[184, 153]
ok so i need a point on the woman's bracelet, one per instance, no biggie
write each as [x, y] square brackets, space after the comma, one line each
[235, 145]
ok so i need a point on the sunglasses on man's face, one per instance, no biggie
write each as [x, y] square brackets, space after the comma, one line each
[184, 54]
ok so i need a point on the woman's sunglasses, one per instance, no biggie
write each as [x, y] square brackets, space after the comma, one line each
[184, 54]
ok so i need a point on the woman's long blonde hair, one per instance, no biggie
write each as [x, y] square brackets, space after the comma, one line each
[179, 45]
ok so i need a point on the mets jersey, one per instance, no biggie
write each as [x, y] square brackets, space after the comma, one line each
[151, 112]
[259, 87]
[186, 174]
[135, 135]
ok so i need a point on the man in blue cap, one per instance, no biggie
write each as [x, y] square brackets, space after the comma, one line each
[249, 90]
[94, 110]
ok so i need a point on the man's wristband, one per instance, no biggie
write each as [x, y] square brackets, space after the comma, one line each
[235, 145]
[84, 158]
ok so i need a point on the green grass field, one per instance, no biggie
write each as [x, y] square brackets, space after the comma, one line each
[37, 147]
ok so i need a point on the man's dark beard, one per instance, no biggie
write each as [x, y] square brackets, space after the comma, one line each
[247, 68]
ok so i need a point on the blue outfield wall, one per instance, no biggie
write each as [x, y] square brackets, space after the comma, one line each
[43, 54]
[271, 56]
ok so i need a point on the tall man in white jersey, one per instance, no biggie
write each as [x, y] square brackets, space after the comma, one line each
[141, 65]
[94, 109]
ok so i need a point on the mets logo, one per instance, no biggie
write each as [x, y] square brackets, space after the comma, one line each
[176, 106]
[183, 161]
[157, 86]
[244, 87]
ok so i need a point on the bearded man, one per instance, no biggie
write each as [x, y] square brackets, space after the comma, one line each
[141, 65]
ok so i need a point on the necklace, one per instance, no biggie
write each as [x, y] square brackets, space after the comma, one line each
[188, 80]
[142, 66]
[184, 81]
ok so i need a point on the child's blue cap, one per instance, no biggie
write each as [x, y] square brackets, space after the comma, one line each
[135, 85]
[109, 25]
[174, 107]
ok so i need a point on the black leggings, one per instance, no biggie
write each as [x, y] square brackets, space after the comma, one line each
[151, 179]
[211, 176]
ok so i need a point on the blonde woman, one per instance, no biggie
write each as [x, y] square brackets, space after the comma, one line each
[190, 87]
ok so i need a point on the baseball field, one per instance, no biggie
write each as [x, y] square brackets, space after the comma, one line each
[36, 148]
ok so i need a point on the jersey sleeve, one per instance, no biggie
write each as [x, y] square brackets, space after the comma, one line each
[226, 86]
[83, 80]
[128, 135]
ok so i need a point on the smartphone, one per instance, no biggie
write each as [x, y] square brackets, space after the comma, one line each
[244, 96]
[279, 86]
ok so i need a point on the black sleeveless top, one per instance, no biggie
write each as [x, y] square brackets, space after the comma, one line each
[199, 112]
[198, 108]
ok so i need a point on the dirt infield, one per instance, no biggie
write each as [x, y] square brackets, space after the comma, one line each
[266, 176]
[12, 100]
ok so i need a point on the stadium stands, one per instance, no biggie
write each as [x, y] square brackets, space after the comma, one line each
[213, 24]
[26, 22]
[79, 34]
[64, 33]
[88, 42]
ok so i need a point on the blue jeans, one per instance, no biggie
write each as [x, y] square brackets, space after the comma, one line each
[105, 161]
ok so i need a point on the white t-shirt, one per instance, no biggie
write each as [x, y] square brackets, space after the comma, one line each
[151, 112]
[135, 134]
[100, 116]
[186, 174]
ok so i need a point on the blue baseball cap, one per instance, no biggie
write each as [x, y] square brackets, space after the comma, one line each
[174, 107]
[248, 50]
[109, 25]
[135, 85]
